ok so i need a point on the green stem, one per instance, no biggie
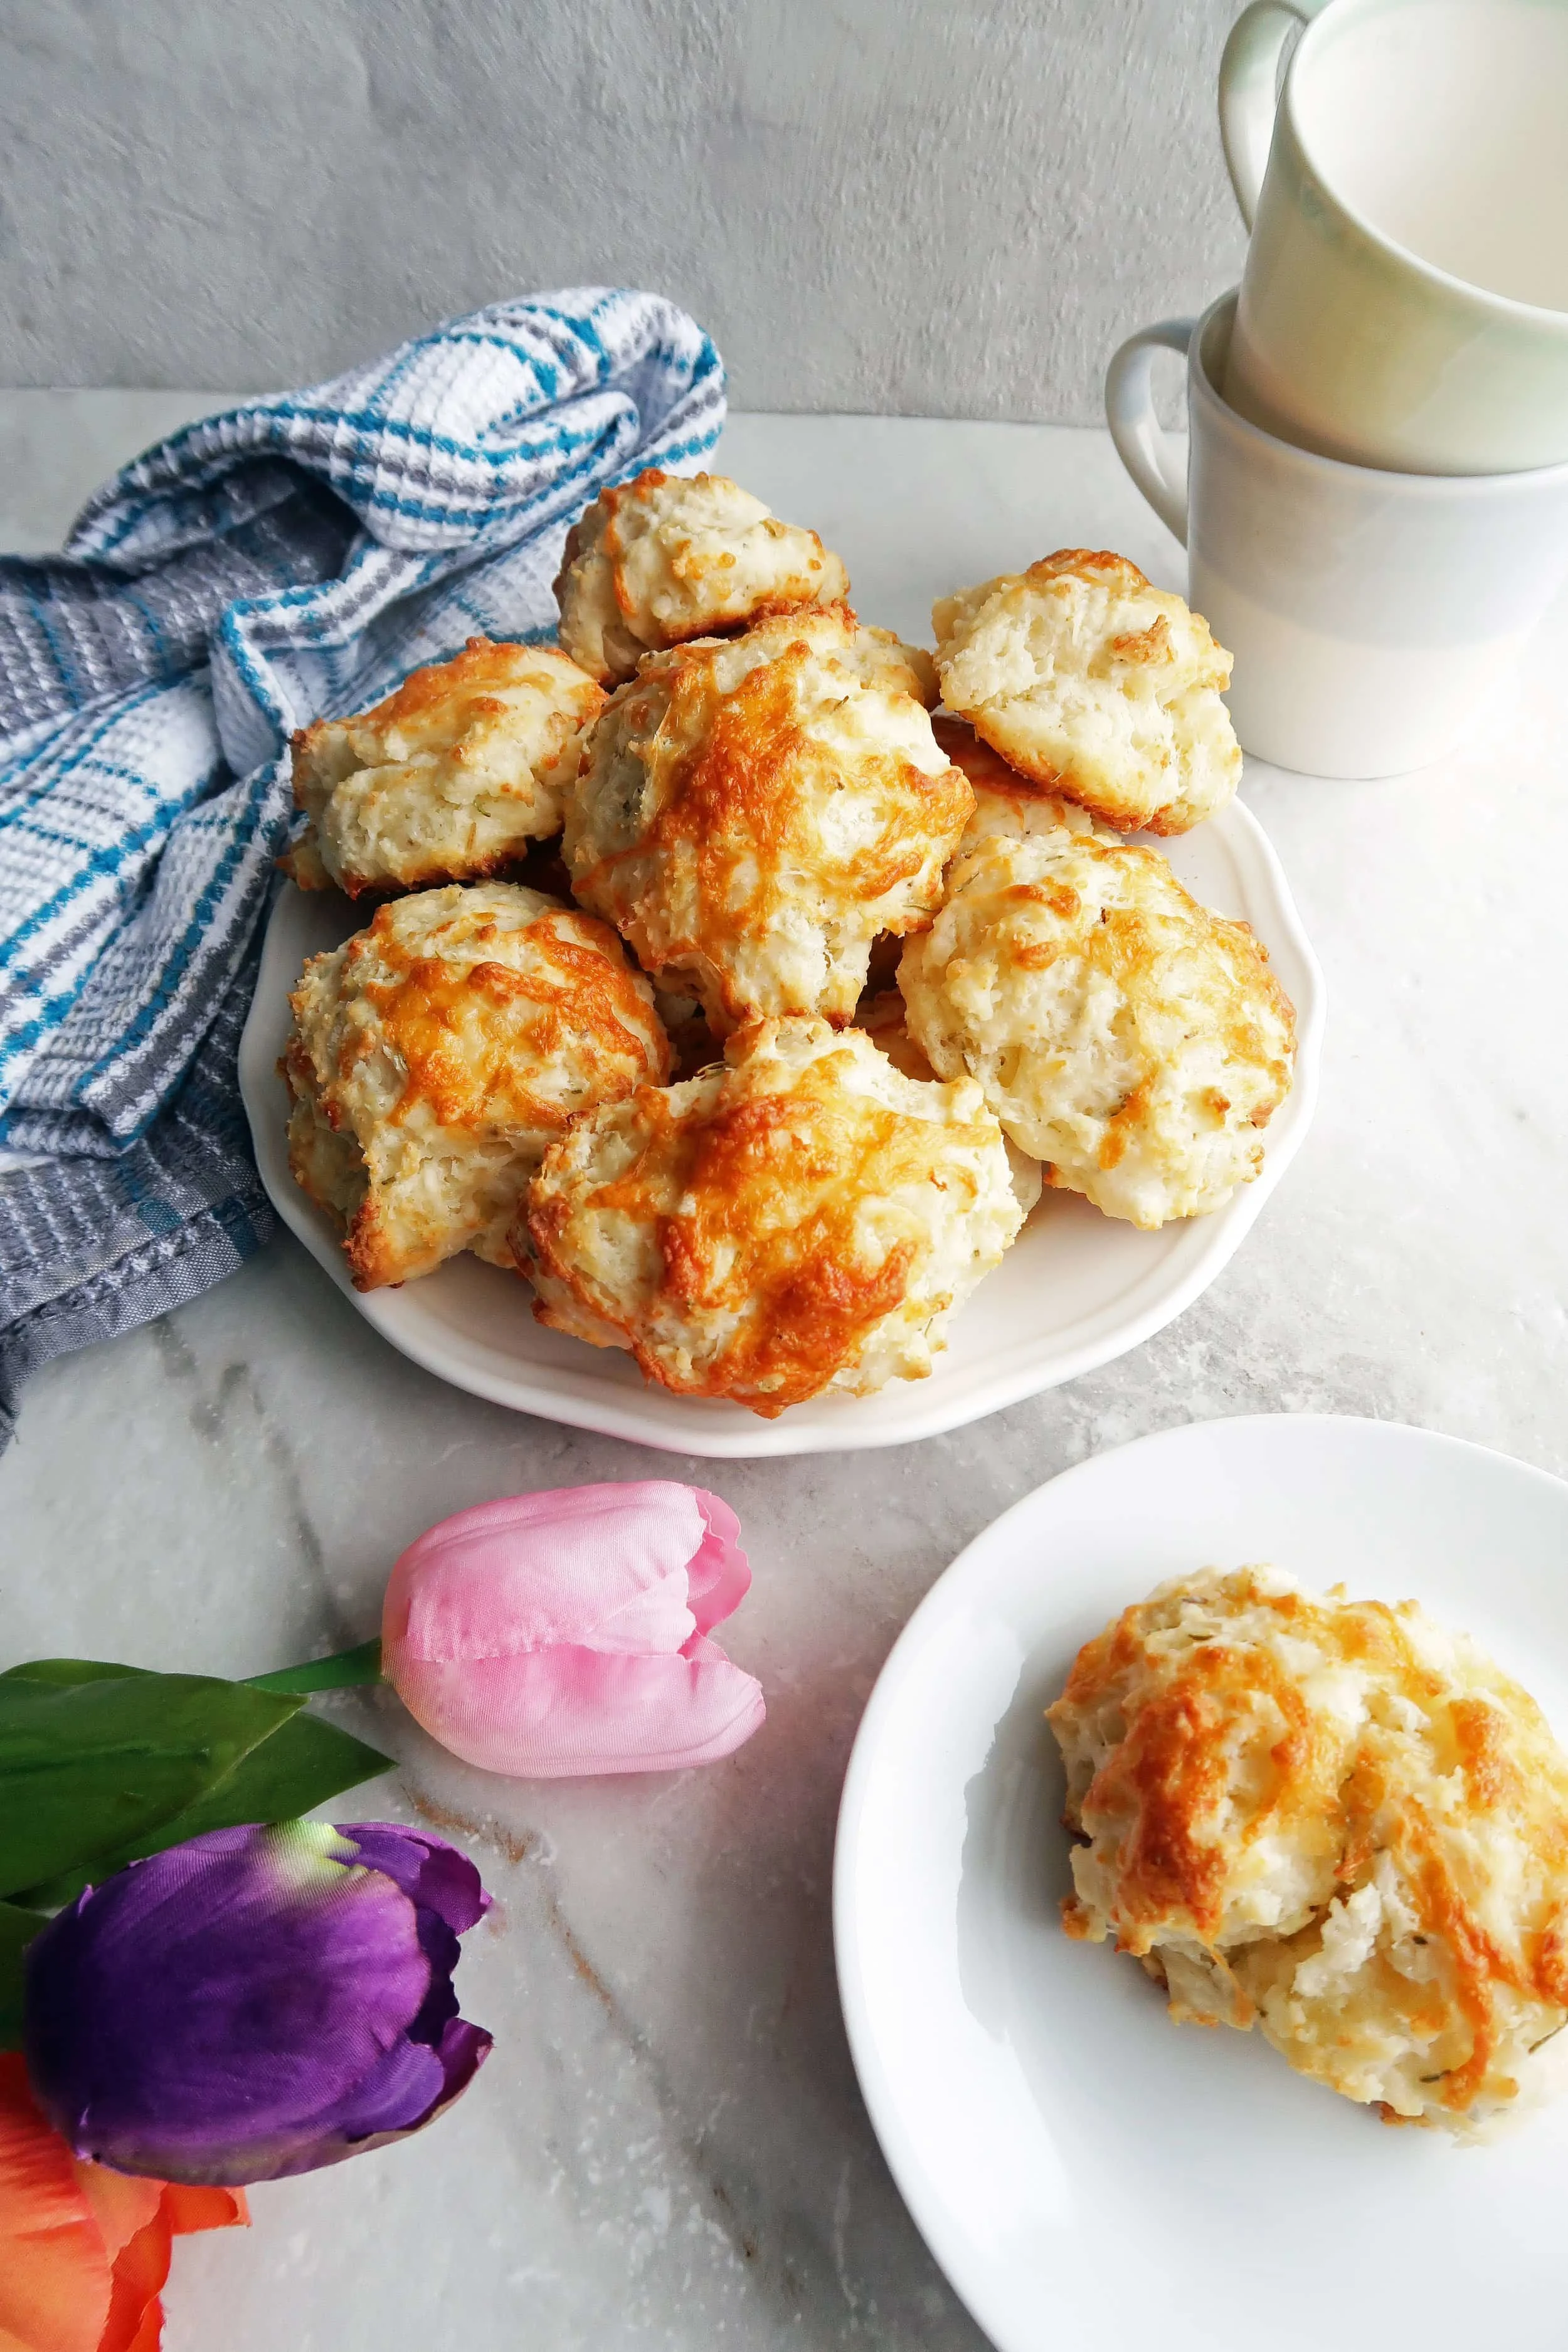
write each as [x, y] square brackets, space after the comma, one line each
[345, 1672]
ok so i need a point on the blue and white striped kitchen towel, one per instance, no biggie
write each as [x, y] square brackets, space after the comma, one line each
[291, 558]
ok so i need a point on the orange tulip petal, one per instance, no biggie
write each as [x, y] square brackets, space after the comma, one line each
[120, 2204]
[84, 2251]
[149, 2336]
[205, 2209]
[55, 2284]
[139, 2273]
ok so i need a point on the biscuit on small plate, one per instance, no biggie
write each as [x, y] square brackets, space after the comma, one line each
[799, 1218]
[434, 1056]
[1096, 686]
[752, 812]
[669, 557]
[1333, 1819]
[1127, 1036]
[449, 780]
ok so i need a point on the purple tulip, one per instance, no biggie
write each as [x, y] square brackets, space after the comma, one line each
[256, 2002]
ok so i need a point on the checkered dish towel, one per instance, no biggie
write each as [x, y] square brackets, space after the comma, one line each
[291, 558]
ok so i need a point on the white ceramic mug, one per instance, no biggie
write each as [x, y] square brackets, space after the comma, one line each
[1370, 613]
[1406, 297]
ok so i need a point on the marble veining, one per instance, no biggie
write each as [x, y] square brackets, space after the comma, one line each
[667, 2149]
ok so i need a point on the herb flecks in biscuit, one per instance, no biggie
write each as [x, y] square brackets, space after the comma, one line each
[1004, 801]
[1097, 686]
[436, 1056]
[1123, 1034]
[449, 780]
[657, 561]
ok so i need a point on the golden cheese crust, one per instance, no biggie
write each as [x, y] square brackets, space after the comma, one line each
[1330, 1818]
[799, 1218]
[754, 812]
[433, 1057]
[1132, 1040]
[450, 779]
[1097, 685]
[657, 561]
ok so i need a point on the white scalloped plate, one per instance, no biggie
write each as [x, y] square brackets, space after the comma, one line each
[1086, 2172]
[1076, 1289]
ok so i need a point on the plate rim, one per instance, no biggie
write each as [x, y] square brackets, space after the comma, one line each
[640, 1416]
[928, 2213]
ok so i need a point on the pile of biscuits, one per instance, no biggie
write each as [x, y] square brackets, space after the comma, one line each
[633, 1018]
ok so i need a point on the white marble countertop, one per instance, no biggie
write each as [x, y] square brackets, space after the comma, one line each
[667, 2148]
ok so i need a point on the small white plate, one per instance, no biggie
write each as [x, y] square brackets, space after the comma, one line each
[1077, 1288]
[1085, 2171]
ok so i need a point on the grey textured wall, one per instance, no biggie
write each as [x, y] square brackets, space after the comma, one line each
[932, 206]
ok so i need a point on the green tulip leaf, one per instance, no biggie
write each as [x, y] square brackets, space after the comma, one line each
[69, 1670]
[91, 1767]
[348, 1669]
[296, 1768]
[18, 1929]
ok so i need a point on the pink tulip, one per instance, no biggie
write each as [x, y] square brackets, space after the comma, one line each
[547, 1635]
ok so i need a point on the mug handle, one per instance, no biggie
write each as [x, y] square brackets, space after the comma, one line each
[1249, 77]
[1141, 444]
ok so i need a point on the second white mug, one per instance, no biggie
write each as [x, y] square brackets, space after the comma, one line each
[1370, 613]
[1404, 302]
